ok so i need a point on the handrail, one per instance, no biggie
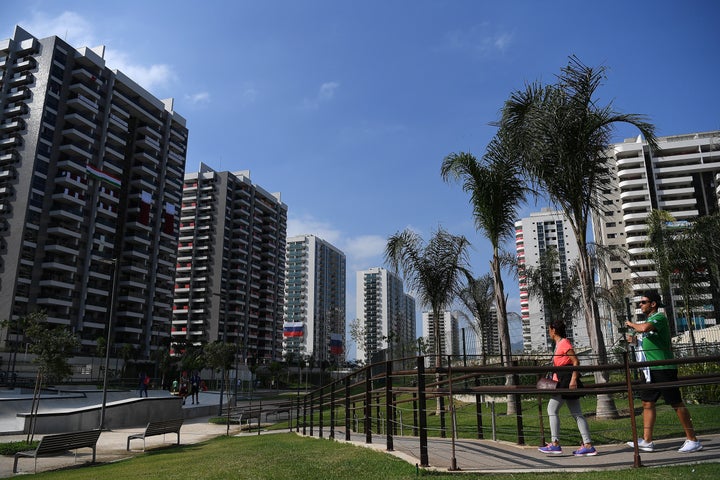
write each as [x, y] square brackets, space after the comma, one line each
[380, 384]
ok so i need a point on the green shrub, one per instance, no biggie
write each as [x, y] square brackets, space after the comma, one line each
[700, 394]
[11, 448]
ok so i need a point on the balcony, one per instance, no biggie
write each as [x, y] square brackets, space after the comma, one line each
[78, 135]
[20, 78]
[16, 110]
[72, 150]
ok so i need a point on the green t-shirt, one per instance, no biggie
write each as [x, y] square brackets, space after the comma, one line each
[656, 343]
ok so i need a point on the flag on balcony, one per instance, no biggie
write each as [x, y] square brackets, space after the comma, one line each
[336, 344]
[102, 176]
[169, 219]
[145, 203]
[293, 329]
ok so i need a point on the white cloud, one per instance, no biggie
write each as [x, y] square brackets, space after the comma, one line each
[69, 26]
[327, 90]
[79, 32]
[249, 95]
[479, 40]
[325, 94]
[307, 225]
[198, 98]
[358, 250]
[365, 246]
[149, 77]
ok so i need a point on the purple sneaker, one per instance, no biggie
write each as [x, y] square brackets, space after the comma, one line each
[551, 448]
[585, 451]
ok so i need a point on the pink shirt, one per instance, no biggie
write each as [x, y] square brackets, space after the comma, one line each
[561, 358]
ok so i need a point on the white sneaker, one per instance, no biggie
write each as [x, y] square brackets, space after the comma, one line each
[643, 445]
[691, 446]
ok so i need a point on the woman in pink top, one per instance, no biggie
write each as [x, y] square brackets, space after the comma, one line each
[564, 356]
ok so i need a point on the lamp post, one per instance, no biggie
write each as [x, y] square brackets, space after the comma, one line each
[224, 339]
[111, 313]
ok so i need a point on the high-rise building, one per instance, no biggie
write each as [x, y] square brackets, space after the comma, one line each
[230, 276]
[91, 169]
[680, 178]
[449, 333]
[386, 315]
[314, 301]
[534, 237]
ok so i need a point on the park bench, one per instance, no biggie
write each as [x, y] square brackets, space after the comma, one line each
[60, 443]
[158, 428]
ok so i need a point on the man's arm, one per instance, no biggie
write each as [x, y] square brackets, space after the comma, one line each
[641, 327]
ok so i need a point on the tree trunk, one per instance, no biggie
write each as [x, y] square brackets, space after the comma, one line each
[438, 358]
[503, 331]
[605, 403]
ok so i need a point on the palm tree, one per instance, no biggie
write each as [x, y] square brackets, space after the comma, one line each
[661, 256]
[478, 298]
[556, 291]
[561, 136]
[686, 254]
[496, 191]
[434, 271]
[616, 297]
[707, 229]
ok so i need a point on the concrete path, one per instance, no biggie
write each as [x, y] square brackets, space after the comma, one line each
[487, 456]
[112, 446]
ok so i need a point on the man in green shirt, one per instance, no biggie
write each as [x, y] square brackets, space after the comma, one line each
[656, 346]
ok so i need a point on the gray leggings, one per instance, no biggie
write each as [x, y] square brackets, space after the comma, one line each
[573, 404]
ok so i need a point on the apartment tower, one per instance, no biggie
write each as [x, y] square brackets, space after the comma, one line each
[535, 236]
[386, 316]
[450, 339]
[680, 178]
[230, 276]
[91, 169]
[314, 323]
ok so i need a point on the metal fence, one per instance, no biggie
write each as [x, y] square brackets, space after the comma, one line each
[370, 400]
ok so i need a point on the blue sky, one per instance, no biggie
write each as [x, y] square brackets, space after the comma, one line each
[347, 108]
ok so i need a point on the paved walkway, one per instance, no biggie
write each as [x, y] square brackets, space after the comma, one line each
[489, 456]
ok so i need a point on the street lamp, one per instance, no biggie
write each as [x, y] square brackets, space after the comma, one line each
[219, 295]
[111, 313]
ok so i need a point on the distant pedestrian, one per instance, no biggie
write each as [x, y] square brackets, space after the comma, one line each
[657, 347]
[184, 390]
[195, 381]
[144, 382]
[564, 356]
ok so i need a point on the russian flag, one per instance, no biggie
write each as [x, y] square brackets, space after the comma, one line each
[336, 344]
[102, 176]
[293, 329]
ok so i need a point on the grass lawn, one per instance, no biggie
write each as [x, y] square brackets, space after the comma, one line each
[284, 456]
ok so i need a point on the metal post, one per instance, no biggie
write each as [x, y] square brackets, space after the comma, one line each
[297, 416]
[636, 458]
[347, 408]
[332, 410]
[368, 405]
[388, 407]
[453, 433]
[321, 424]
[422, 413]
[111, 314]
